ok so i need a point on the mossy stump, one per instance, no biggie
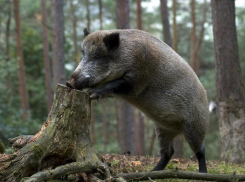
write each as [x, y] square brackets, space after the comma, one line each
[63, 139]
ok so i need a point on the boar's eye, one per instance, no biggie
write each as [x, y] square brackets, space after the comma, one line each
[82, 51]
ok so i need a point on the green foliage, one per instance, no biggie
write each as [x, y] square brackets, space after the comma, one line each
[11, 123]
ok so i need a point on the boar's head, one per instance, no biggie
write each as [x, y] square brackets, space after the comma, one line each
[99, 63]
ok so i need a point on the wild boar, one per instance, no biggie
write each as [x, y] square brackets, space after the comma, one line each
[146, 72]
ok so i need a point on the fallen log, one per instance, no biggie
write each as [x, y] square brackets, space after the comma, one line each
[168, 174]
[63, 138]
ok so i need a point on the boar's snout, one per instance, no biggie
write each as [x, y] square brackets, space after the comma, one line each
[70, 83]
[79, 84]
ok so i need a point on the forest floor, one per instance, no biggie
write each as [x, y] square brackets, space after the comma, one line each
[130, 164]
[127, 164]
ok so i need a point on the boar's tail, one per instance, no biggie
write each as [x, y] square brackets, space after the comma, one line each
[212, 107]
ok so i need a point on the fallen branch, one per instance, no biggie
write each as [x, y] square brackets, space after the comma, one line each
[141, 176]
[20, 141]
[73, 168]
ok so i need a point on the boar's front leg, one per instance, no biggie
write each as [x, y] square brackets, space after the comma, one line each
[117, 87]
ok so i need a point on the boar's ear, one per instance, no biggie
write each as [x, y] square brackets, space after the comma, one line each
[112, 41]
[85, 31]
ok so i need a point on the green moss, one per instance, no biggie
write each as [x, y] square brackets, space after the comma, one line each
[38, 151]
[24, 179]
[170, 165]
[2, 147]
[115, 162]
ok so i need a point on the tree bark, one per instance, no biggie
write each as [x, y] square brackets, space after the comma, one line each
[64, 138]
[58, 42]
[105, 125]
[126, 127]
[123, 19]
[139, 15]
[9, 79]
[126, 116]
[136, 132]
[151, 146]
[229, 84]
[193, 37]
[46, 56]
[178, 146]
[175, 37]
[101, 14]
[173, 174]
[165, 22]
[22, 78]
[88, 15]
[92, 124]
[117, 119]
[141, 133]
[200, 39]
[74, 23]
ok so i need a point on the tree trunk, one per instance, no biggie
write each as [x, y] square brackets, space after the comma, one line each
[22, 78]
[229, 85]
[136, 130]
[88, 15]
[200, 38]
[165, 22]
[58, 42]
[123, 19]
[63, 138]
[178, 146]
[117, 119]
[92, 123]
[9, 79]
[46, 56]
[141, 134]
[105, 125]
[151, 146]
[193, 37]
[139, 19]
[175, 40]
[100, 14]
[126, 127]
[8, 29]
[8, 22]
[74, 23]
[126, 116]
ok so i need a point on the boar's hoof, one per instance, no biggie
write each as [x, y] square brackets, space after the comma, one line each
[94, 95]
[97, 93]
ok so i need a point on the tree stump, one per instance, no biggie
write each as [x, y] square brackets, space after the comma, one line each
[64, 138]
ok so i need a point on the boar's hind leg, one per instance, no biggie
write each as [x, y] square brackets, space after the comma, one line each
[195, 139]
[119, 86]
[166, 148]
